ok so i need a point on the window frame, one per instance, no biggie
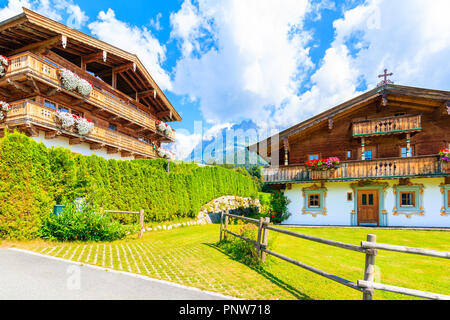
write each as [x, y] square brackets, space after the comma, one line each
[310, 195]
[412, 198]
[314, 210]
[417, 207]
[313, 155]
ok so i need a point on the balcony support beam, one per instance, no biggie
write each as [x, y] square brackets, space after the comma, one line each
[112, 150]
[52, 134]
[126, 154]
[74, 141]
[96, 146]
[19, 86]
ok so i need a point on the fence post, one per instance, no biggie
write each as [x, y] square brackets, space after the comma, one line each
[221, 225]
[226, 225]
[141, 222]
[369, 269]
[258, 241]
[265, 238]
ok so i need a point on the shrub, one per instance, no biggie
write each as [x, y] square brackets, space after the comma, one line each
[279, 207]
[82, 223]
[34, 178]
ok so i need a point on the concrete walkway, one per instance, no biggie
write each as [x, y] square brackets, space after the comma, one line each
[28, 275]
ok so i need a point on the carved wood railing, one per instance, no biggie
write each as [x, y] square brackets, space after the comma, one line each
[391, 125]
[376, 168]
[29, 112]
[48, 70]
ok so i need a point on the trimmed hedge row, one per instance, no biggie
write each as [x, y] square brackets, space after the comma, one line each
[34, 178]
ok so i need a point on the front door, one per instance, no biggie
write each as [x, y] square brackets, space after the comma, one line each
[368, 207]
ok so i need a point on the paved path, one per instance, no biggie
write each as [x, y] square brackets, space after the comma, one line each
[24, 275]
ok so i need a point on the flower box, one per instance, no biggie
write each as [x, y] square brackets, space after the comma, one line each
[4, 63]
[4, 108]
[70, 81]
[70, 122]
[322, 164]
[166, 154]
[163, 127]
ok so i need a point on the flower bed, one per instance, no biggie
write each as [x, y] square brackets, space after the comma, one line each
[4, 107]
[4, 63]
[72, 82]
[323, 164]
[70, 121]
[163, 127]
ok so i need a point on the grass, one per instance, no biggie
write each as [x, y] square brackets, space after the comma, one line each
[191, 257]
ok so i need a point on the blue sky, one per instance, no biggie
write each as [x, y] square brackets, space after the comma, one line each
[274, 62]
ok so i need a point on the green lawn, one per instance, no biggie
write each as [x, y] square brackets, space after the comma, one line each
[190, 256]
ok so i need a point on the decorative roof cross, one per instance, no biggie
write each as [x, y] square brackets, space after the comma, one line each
[386, 80]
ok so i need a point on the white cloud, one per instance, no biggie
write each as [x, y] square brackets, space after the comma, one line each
[133, 39]
[253, 69]
[53, 9]
[253, 57]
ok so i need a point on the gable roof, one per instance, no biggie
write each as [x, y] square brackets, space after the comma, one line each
[30, 27]
[429, 98]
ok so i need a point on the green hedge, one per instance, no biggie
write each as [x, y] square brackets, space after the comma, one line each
[34, 178]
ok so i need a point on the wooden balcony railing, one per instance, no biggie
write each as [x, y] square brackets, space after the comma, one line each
[353, 170]
[29, 62]
[29, 112]
[391, 125]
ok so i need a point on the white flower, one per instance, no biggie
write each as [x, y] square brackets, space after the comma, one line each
[165, 128]
[5, 106]
[164, 153]
[69, 80]
[4, 60]
[66, 118]
[84, 126]
[84, 87]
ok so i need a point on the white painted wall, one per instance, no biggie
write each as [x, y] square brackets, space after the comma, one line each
[339, 209]
[82, 148]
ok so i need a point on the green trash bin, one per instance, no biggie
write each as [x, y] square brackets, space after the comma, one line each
[58, 208]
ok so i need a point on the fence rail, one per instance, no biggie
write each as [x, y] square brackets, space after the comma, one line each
[140, 213]
[369, 248]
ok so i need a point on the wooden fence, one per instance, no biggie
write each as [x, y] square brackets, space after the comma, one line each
[369, 248]
[140, 213]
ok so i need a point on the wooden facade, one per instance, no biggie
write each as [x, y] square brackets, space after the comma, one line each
[125, 104]
[389, 132]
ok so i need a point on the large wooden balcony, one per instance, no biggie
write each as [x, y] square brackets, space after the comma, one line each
[390, 125]
[25, 113]
[41, 70]
[422, 166]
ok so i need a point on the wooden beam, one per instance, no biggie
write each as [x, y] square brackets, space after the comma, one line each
[96, 146]
[74, 141]
[112, 150]
[52, 134]
[124, 67]
[19, 86]
[35, 85]
[163, 114]
[31, 130]
[147, 93]
[5, 93]
[38, 47]
[53, 91]
[412, 106]
[126, 154]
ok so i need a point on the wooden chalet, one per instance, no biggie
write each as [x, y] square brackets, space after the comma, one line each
[390, 172]
[125, 106]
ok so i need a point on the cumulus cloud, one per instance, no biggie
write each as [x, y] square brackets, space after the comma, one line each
[53, 9]
[258, 51]
[133, 39]
[253, 59]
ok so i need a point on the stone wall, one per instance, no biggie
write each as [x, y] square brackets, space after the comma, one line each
[210, 212]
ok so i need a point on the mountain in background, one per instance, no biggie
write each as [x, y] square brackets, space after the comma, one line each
[229, 147]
